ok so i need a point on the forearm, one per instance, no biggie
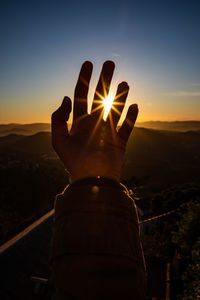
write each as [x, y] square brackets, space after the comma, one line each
[96, 232]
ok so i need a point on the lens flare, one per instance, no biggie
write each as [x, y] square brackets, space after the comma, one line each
[107, 102]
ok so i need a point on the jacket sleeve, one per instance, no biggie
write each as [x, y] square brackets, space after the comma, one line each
[96, 216]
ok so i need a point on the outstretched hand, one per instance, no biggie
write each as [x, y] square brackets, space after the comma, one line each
[93, 147]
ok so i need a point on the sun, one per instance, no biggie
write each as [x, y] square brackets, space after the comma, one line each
[107, 102]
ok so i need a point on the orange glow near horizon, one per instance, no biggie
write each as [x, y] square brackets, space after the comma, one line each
[31, 109]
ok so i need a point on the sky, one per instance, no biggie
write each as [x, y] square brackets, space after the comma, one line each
[154, 44]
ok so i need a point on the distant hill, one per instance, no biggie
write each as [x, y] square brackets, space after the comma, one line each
[162, 157]
[24, 129]
[30, 129]
[36, 144]
[172, 126]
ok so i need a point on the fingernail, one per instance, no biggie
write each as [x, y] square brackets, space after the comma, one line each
[65, 100]
[124, 83]
[87, 64]
[109, 63]
[134, 107]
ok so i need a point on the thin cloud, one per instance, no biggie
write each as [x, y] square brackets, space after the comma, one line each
[195, 84]
[186, 93]
[116, 55]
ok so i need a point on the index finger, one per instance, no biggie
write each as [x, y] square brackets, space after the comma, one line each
[59, 128]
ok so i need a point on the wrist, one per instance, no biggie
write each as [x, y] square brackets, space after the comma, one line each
[95, 177]
[96, 181]
[95, 166]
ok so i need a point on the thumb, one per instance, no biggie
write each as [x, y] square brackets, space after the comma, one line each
[63, 112]
[58, 123]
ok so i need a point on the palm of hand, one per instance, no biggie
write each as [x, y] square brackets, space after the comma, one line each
[93, 150]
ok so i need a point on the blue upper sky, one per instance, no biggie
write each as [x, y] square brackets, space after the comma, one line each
[155, 45]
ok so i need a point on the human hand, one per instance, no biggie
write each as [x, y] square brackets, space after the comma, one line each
[93, 147]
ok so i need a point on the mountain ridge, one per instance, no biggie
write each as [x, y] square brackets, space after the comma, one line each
[165, 157]
[32, 128]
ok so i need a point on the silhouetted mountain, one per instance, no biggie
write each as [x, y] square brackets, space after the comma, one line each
[37, 144]
[172, 126]
[162, 157]
[30, 129]
[10, 139]
[25, 129]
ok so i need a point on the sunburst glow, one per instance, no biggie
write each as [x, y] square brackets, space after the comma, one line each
[107, 102]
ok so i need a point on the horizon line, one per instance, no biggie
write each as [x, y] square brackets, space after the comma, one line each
[165, 121]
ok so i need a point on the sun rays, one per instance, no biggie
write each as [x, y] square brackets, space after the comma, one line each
[107, 105]
[107, 102]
